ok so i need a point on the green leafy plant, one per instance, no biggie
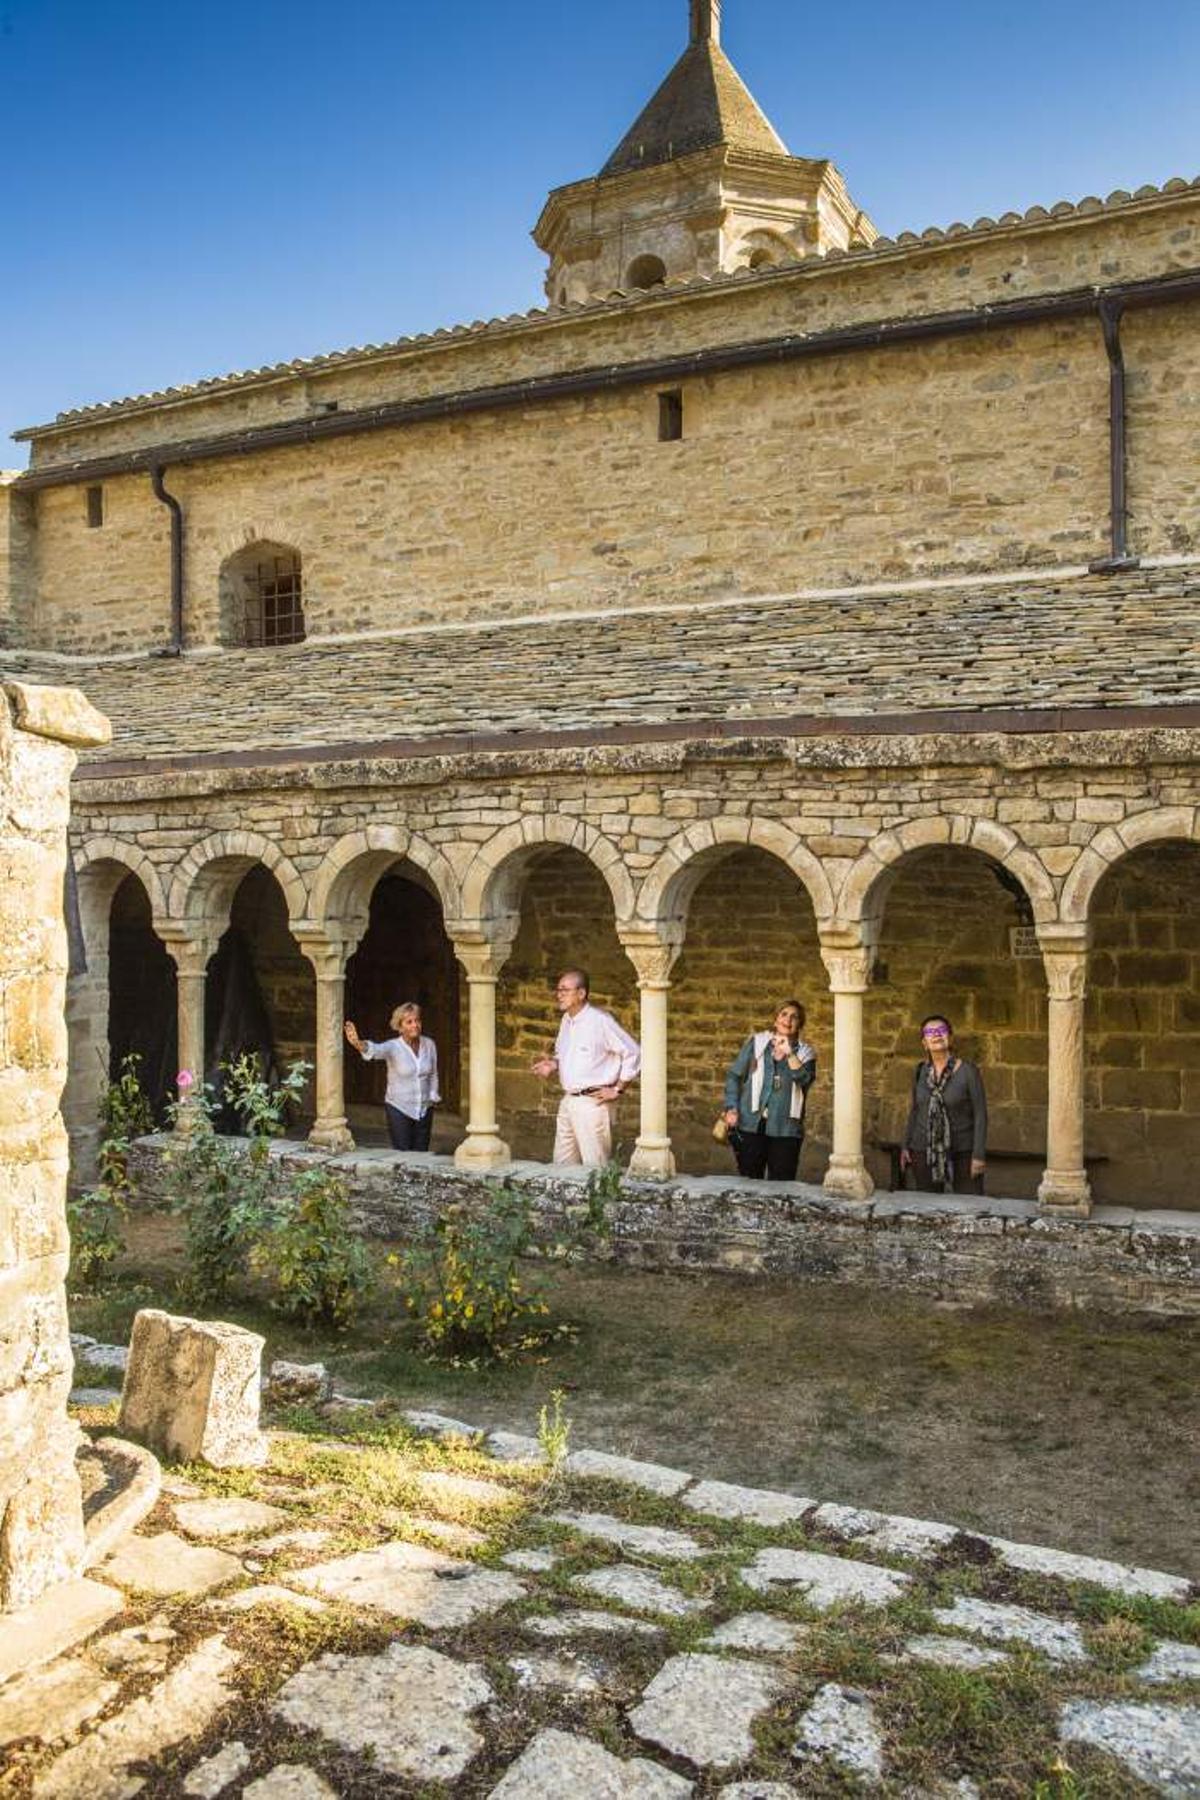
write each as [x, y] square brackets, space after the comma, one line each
[220, 1186]
[96, 1217]
[602, 1188]
[320, 1271]
[463, 1284]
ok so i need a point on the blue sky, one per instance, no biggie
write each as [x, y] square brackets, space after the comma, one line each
[188, 189]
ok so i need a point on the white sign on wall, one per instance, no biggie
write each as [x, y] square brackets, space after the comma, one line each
[1023, 940]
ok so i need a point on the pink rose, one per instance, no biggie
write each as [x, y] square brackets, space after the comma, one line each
[184, 1080]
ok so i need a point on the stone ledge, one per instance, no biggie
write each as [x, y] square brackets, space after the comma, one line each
[974, 1250]
[64, 715]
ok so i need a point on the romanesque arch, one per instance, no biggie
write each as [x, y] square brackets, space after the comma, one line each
[101, 864]
[864, 891]
[345, 880]
[492, 883]
[1156, 825]
[666, 892]
[210, 873]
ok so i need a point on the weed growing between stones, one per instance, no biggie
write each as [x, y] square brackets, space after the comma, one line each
[96, 1218]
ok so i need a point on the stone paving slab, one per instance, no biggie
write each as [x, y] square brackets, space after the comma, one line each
[841, 1725]
[53, 1702]
[532, 1562]
[62, 1618]
[580, 1620]
[289, 1781]
[411, 1582]
[212, 1776]
[1171, 1662]
[138, 1650]
[94, 1396]
[558, 1765]
[640, 1590]
[758, 1506]
[409, 1709]
[654, 1477]
[642, 1540]
[439, 1425]
[890, 1534]
[825, 1580]
[299, 1538]
[758, 1790]
[226, 1518]
[558, 1671]
[703, 1708]
[180, 1707]
[757, 1631]
[1059, 1639]
[953, 1653]
[1119, 1577]
[514, 1447]
[267, 1593]
[1158, 1743]
[441, 1484]
[166, 1564]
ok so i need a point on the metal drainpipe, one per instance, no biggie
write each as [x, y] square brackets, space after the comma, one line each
[1119, 557]
[175, 647]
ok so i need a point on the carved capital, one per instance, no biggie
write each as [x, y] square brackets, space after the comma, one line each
[328, 955]
[483, 946]
[189, 946]
[653, 953]
[1066, 974]
[849, 971]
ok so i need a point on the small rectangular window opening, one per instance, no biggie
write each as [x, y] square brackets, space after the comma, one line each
[95, 506]
[670, 416]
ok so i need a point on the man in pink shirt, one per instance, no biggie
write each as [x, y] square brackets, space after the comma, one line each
[595, 1060]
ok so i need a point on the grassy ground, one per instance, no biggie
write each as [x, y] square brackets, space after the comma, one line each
[1078, 1431]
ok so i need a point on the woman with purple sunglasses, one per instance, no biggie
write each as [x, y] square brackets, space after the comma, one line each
[945, 1140]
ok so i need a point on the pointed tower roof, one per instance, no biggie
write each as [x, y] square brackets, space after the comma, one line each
[702, 103]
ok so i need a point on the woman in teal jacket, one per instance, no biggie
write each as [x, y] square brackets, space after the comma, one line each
[765, 1089]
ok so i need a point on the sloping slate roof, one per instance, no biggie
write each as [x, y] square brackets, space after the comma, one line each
[1094, 642]
[702, 103]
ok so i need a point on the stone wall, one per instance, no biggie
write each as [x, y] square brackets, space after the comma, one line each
[985, 452]
[41, 1516]
[977, 1252]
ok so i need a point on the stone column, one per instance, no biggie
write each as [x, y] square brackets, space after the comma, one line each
[1064, 1187]
[849, 969]
[483, 951]
[41, 1509]
[653, 955]
[330, 1128]
[191, 948]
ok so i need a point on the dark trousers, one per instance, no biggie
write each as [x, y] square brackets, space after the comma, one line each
[777, 1158]
[406, 1133]
[964, 1181]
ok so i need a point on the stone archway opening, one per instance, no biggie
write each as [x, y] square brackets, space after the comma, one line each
[955, 935]
[1142, 1029]
[750, 944]
[567, 920]
[260, 995]
[143, 1009]
[404, 954]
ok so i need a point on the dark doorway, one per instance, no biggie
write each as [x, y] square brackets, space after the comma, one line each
[143, 1015]
[404, 955]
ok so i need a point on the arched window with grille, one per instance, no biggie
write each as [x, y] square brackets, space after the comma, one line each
[262, 597]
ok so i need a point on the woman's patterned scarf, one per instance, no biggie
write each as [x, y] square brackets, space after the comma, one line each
[937, 1148]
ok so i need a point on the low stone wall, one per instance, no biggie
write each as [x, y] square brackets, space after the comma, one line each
[975, 1251]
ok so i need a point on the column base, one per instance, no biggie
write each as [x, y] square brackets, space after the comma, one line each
[482, 1150]
[847, 1177]
[1067, 1192]
[652, 1159]
[331, 1134]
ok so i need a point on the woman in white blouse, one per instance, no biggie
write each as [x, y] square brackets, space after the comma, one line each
[412, 1076]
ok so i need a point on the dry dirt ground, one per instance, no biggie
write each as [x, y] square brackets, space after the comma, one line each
[1079, 1431]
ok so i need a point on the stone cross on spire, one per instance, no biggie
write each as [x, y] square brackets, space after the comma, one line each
[706, 21]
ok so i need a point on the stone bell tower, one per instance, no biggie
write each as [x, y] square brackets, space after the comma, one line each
[701, 184]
